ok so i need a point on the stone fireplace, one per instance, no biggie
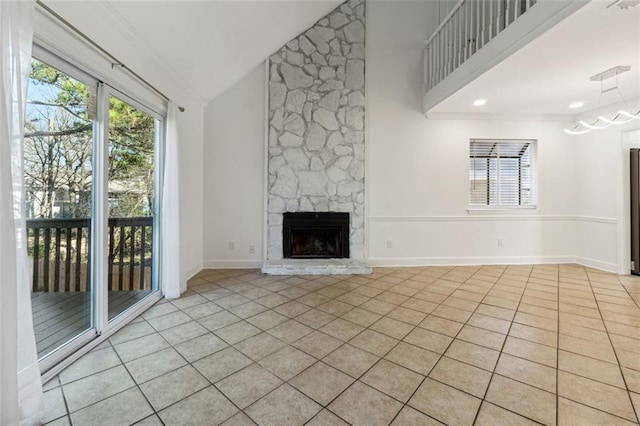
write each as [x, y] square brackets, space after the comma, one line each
[316, 143]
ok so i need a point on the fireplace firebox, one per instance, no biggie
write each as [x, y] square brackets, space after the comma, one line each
[309, 235]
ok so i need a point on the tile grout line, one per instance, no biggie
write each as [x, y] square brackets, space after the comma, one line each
[441, 356]
[588, 285]
[138, 385]
[229, 346]
[405, 404]
[615, 352]
[558, 354]
[403, 279]
[493, 373]
[381, 358]
[464, 324]
[307, 368]
[357, 379]
[69, 412]
[626, 291]
[440, 304]
[326, 406]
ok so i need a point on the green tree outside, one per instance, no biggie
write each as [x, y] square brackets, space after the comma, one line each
[58, 149]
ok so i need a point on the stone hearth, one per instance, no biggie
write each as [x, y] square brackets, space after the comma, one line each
[316, 267]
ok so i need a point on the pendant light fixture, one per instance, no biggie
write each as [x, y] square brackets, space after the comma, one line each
[600, 122]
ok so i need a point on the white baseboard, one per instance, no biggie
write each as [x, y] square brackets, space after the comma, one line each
[429, 261]
[597, 264]
[232, 264]
[191, 272]
[445, 261]
[506, 260]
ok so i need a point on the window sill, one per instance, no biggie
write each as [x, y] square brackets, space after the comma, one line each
[495, 210]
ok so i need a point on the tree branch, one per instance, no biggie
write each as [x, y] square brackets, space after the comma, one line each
[59, 132]
[65, 107]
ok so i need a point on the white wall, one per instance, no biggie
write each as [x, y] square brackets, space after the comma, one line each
[602, 197]
[234, 186]
[418, 168]
[190, 133]
[630, 136]
[420, 202]
[417, 171]
[598, 175]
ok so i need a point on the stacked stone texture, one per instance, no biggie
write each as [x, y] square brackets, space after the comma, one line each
[316, 124]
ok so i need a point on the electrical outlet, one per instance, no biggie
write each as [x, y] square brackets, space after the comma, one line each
[252, 249]
[389, 243]
[232, 245]
[500, 243]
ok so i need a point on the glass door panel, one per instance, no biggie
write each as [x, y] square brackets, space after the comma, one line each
[58, 174]
[130, 206]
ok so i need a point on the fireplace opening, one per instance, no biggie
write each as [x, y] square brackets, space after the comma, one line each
[315, 235]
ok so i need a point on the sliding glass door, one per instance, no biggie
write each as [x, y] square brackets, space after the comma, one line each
[90, 159]
[58, 167]
[131, 187]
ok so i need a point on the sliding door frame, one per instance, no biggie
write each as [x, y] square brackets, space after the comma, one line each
[101, 328]
[74, 344]
[105, 92]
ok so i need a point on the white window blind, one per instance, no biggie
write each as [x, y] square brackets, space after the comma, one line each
[501, 172]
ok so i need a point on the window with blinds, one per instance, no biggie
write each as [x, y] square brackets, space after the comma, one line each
[501, 173]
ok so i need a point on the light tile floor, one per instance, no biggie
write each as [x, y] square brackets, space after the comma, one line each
[491, 345]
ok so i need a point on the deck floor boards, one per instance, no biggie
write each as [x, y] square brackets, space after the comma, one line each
[59, 317]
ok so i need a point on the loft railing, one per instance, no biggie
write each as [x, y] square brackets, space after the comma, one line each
[466, 29]
[59, 250]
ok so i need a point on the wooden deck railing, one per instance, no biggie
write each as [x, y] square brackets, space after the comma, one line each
[60, 253]
[466, 29]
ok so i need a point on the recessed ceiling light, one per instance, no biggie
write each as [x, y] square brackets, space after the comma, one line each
[576, 105]
[479, 102]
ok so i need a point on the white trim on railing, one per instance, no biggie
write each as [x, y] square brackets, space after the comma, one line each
[444, 21]
[495, 44]
[469, 26]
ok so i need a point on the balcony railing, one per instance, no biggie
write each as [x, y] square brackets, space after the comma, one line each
[466, 29]
[60, 250]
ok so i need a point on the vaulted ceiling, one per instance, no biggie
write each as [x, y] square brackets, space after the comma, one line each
[203, 47]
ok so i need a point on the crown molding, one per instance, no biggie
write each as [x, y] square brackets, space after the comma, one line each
[631, 103]
[433, 115]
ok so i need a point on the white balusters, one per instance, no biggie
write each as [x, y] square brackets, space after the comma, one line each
[469, 26]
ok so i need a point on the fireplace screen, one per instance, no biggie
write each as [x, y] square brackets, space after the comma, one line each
[315, 235]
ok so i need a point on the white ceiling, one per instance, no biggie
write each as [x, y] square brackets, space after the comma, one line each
[206, 46]
[203, 46]
[553, 71]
